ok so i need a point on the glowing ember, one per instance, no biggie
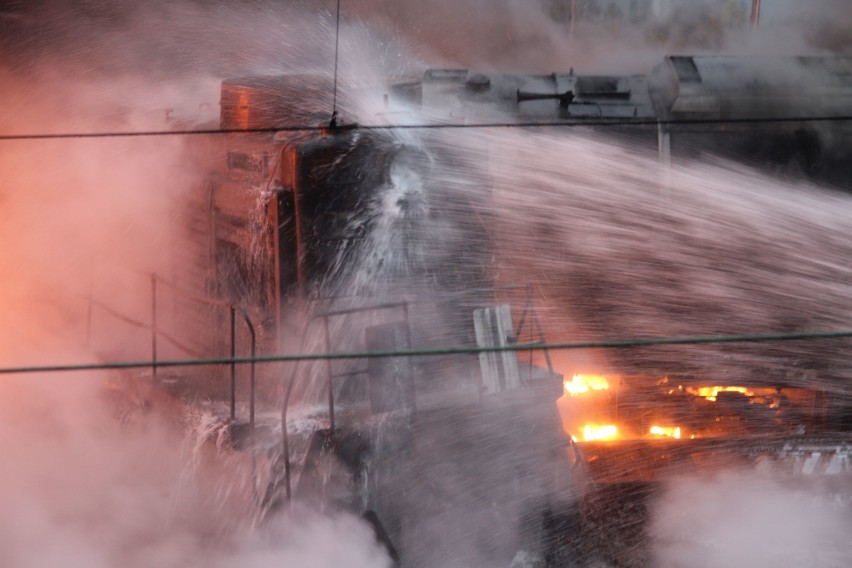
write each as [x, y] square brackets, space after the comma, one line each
[594, 432]
[580, 384]
[671, 432]
[710, 392]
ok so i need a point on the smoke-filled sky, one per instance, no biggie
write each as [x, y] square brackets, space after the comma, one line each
[188, 38]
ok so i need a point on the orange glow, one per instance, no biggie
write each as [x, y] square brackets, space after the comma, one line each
[243, 110]
[710, 392]
[580, 384]
[671, 432]
[595, 432]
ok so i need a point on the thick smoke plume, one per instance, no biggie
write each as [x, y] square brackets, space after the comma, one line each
[98, 470]
[599, 35]
[94, 478]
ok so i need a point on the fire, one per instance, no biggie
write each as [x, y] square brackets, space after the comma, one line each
[580, 384]
[671, 432]
[710, 393]
[595, 432]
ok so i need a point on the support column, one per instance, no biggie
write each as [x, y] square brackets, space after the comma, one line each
[664, 153]
[755, 13]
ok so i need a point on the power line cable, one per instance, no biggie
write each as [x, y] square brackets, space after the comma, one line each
[333, 122]
[433, 126]
[605, 344]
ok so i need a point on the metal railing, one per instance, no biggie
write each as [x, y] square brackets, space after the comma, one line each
[325, 317]
[158, 334]
[530, 310]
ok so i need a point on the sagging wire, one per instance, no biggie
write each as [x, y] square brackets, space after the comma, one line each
[332, 124]
[598, 122]
[604, 344]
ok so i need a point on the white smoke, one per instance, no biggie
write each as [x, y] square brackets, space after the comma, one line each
[98, 471]
[98, 477]
[78, 489]
[740, 520]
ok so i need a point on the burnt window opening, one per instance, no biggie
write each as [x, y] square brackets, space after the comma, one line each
[256, 163]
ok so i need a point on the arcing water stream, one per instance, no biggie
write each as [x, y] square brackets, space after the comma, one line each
[617, 246]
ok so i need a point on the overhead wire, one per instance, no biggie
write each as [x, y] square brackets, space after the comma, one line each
[464, 350]
[433, 126]
[333, 122]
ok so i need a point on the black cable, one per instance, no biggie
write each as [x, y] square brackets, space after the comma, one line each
[435, 126]
[333, 122]
[537, 346]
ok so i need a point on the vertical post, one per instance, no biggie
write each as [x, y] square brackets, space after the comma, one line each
[617, 396]
[89, 316]
[233, 365]
[253, 352]
[407, 324]
[328, 370]
[410, 346]
[275, 227]
[285, 440]
[664, 153]
[571, 25]
[90, 307]
[540, 329]
[755, 13]
[154, 327]
[253, 384]
[532, 331]
[285, 437]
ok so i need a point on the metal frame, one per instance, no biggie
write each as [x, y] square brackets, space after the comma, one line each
[325, 316]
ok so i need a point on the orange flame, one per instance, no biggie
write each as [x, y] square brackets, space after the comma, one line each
[669, 431]
[599, 432]
[580, 384]
[710, 393]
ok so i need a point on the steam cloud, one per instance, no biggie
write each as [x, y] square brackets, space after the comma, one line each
[743, 520]
[79, 489]
[97, 470]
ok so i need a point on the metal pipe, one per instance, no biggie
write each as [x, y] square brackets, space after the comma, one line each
[285, 438]
[252, 366]
[755, 13]
[233, 365]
